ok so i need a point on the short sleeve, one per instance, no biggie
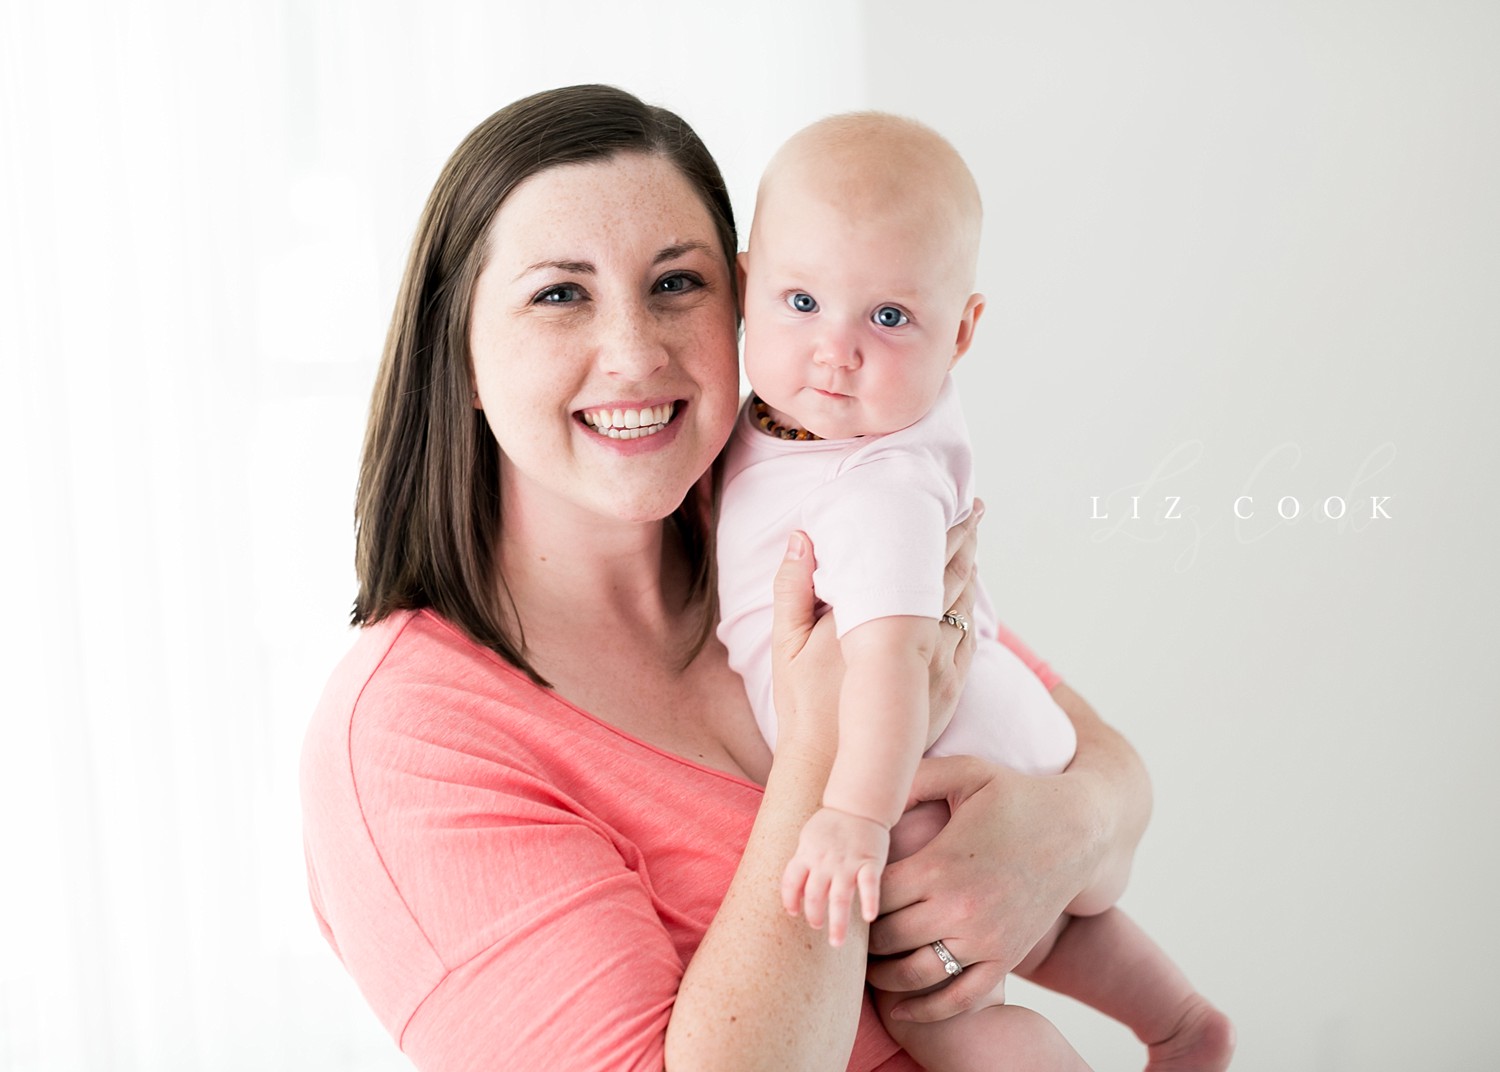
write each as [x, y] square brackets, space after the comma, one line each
[879, 533]
[579, 972]
[551, 951]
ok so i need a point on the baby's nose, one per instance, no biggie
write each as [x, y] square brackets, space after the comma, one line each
[837, 350]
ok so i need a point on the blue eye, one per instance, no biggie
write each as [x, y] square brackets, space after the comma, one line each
[803, 303]
[888, 316]
[678, 284]
[561, 294]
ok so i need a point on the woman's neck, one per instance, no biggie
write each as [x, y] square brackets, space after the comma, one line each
[560, 565]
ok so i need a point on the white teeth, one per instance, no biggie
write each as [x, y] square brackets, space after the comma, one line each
[629, 423]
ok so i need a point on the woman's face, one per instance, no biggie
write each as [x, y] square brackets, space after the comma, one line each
[603, 337]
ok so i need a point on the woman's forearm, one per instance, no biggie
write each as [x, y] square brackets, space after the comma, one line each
[764, 990]
[1115, 800]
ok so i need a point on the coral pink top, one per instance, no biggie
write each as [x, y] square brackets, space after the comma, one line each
[512, 882]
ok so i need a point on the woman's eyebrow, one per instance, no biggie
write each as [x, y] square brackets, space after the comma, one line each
[673, 252]
[667, 253]
[584, 267]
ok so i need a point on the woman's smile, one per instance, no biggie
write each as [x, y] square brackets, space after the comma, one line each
[655, 428]
[627, 421]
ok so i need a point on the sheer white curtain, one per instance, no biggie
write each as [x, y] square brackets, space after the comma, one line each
[1234, 226]
[203, 217]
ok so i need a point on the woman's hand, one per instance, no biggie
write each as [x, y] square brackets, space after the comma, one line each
[952, 658]
[806, 667]
[989, 885]
[1018, 851]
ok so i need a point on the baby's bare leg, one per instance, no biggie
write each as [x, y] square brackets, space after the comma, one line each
[983, 1040]
[1108, 962]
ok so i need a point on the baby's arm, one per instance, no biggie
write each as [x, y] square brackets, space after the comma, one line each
[883, 714]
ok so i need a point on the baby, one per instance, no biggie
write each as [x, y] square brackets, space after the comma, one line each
[857, 296]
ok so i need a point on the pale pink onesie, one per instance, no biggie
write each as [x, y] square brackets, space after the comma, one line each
[878, 509]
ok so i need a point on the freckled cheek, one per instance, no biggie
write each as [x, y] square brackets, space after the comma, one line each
[714, 348]
[526, 384]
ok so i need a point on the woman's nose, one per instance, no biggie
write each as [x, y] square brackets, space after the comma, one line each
[633, 345]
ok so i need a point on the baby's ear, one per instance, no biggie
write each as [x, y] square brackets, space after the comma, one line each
[966, 324]
[742, 263]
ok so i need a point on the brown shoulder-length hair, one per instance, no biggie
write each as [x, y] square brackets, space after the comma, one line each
[427, 513]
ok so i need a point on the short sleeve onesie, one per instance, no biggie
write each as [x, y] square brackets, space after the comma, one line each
[878, 509]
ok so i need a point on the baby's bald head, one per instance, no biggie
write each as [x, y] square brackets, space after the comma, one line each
[858, 284]
[876, 166]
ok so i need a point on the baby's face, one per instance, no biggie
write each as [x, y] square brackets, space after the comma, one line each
[854, 313]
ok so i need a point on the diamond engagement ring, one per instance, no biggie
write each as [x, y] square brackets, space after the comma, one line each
[954, 618]
[951, 966]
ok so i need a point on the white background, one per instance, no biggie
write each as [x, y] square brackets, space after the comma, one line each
[1230, 249]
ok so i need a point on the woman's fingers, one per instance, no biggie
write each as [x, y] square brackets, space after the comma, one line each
[908, 927]
[963, 546]
[794, 603]
[952, 657]
[806, 665]
[922, 969]
[950, 778]
[975, 986]
[869, 892]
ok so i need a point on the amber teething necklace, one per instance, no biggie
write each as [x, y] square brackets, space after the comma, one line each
[769, 424]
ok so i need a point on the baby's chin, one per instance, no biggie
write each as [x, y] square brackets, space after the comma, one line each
[826, 414]
[826, 429]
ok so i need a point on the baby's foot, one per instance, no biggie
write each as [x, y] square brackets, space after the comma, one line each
[1203, 1041]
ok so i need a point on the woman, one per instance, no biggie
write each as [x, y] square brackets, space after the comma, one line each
[542, 829]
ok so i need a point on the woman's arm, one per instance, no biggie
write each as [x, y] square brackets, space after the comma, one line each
[763, 991]
[490, 921]
[1018, 852]
[1122, 804]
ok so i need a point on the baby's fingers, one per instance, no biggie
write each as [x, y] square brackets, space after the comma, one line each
[840, 897]
[815, 899]
[793, 879]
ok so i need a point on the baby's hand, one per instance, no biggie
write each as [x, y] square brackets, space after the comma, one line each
[836, 853]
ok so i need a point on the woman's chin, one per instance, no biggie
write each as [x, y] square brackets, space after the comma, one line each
[647, 506]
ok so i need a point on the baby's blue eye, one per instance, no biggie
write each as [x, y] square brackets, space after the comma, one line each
[803, 303]
[888, 316]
